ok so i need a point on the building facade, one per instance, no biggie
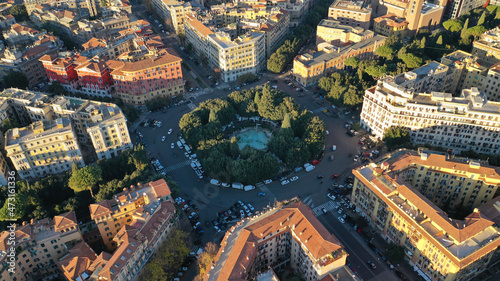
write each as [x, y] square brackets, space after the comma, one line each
[309, 68]
[289, 235]
[391, 25]
[487, 48]
[139, 82]
[173, 12]
[111, 215]
[61, 68]
[43, 148]
[39, 245]
[457, 8]
[352, 13]
[335, 33]
[402, 197]
[437, 118]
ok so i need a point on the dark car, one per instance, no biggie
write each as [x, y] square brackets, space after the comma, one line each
[372, 264]
[319, 177]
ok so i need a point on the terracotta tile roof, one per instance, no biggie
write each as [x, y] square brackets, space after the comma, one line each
[8, 17]
[151, 229]
[35, 51]
[160, 187]
[78, 260]
[44, 38]
[64, 221]
[200, 27]
[491, 210]
[298, 218]
[20, 28]
[93, 66]
[392, 20]
[48, 58]
[100, 209]
[147, 63]
[80, 60]
[94, 43]
[100, 261]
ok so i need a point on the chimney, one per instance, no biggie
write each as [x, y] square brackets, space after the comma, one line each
[124, 189]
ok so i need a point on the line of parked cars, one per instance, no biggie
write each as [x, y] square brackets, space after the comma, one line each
[190, 209]
[235, 185]
[157, 166]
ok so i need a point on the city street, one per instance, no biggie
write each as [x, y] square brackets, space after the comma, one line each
[211, 199]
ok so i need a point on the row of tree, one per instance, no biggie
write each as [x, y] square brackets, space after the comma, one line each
[75, 190]
[300, 138]
[278, 61]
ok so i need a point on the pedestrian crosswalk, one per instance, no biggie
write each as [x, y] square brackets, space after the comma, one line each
[319, 110]
[308, 200]
[330, 205]
[177, 166]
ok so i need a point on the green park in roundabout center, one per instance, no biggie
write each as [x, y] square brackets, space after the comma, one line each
[252, 135]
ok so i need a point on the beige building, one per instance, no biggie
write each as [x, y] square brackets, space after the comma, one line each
[289, 235]
[174, 12]
[491, 84]
[352, 13]
[38, 247]
[467, 71]
[436, 118]
[391, 25]
[309, 68]
[43, 148]
[335, 33]
[457, 8]
[487, 48]
[404, 196]
[111, 215]
[298, 9]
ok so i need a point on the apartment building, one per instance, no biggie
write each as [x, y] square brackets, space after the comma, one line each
[94, 78]
[391, 25]
[84, 7]
[245, 54]
[351, 13]
[173, 12]
[26, 59]
[309, 68]
[100, 127]
[467, 71]
[289, 235]
[7, 21]
[491, 84]
[335, 33]
[419, 13]
[61, 68]
[108, 48]
[43, 148]
[298, 9]
[138, 82]
[39, 245]
[404, 197]
[437, 118]
[457, 8]
[487, 48]
[74, 264]
[197, 34]
[114, 214]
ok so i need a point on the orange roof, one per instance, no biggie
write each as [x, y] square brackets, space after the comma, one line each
[146, 64]
[100, 209]
[114, 64]
[93, 66]
[197, 25]
[35, 51]
[49, 57]
[78, 260]
[160, 187]
[93, 43]
[298, 218]
[64, 221]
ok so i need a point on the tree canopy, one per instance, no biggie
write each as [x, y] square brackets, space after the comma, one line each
[16, 79]
[396, 137]
[19, 12]
[85, 178]
[385, 51]
[453, 25]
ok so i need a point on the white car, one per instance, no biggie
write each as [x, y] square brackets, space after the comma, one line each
[163, 138]
[217, 228]
[294, 178]
[341, 220]
[226, 184]
[285, 182]
[251, 207]
[268, 181]
[187, 155]
[170, 131]
[334, 147]
[172, 145]
[242, 213]
[331, 196]
[340, 211]
[356, 158]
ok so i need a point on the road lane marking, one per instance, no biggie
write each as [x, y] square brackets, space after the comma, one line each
[177, 166]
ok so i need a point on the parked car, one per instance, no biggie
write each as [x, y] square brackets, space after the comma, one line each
[285, 182]
[294, 178]
[372, 264]
[268, 181]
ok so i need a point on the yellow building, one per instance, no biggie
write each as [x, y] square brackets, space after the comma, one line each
[43, 148]
[353, 13]
[402, 195]
[487, 48]
[467, 71]
[391, 25]
[38, 246]
[174, 12]
[111, 215]
[333, 32]
[309, 68]
[491, 85]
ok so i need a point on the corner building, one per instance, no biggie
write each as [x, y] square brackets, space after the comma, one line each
[402, 197]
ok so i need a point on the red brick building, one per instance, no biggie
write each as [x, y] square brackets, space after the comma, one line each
[141, 81]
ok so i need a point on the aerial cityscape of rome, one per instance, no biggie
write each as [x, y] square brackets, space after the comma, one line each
[250, 140]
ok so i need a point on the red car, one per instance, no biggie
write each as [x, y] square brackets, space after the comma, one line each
[334, 176]
[361, 143]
